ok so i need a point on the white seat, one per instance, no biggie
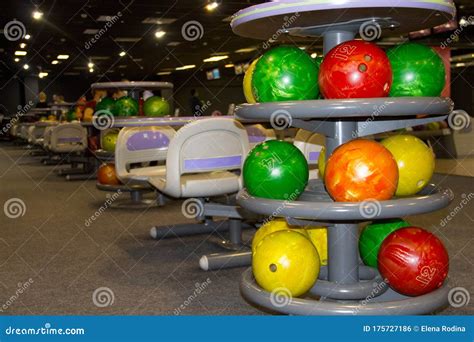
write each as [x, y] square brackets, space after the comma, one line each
[258, 134]
[67, 138]
[47, 136]
[138, 146]
[201, 159]
[310, 144]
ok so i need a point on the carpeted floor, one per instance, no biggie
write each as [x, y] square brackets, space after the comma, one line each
[51, 262]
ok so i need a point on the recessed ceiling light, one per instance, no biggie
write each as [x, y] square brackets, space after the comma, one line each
[27, 36]
[215, 59]
[22, 45]
[162, 73]
[230, 65]
[122, 53]
[90, 65]
[20, 53]
[185, 67]
[173, 43]
[160, 34]
[245, 50]
[26, 66]
[37, 15]
[314, 55]
[54, 62]
[17, 59]
[212, 5]
[42, 74]
[62, 57]
[91, 69]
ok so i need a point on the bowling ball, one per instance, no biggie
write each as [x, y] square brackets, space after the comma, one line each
[416, 163]
[319, 238]
[271, 227]
[361, 170]
[372, 237]
[433, 126]
[88, 114]
[248, 83]
[71, 115]
[285, 73]
[107, 175]
[355, 69]
[156, 106]
[106, 105]
[275, 169]
[322, 162]
[126, 106]
[317, 235]
[417, 70]
[109, 140]
[286, 262]
[413, 261]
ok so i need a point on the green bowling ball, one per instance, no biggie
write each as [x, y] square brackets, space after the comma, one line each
[275, 169]
[372, 237]
[109, 140]
[156, 106]
[107, 105]
[126, 106]
[417, 71]
[71, 115]
[285, 73]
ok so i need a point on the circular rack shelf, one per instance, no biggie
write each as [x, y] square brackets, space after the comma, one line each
[141, 85]
[344, 286]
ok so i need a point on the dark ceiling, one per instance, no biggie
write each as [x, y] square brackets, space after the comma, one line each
[62, 30]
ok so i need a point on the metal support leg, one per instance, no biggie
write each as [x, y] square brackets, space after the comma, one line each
[343, 258]
[136, 196]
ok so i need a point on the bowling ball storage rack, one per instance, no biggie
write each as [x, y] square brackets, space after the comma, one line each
[345, 286]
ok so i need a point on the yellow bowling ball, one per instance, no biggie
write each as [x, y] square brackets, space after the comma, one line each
[248, 93]
[319, 238]
[287, 262]
[88, 114]
[416, 162]
[271, 227]
[322, 162]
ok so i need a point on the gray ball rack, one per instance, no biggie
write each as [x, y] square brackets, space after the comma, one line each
[345, 286]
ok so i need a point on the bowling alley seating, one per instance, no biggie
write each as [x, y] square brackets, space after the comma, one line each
[310, 144]
[258, 134]
[140, 153]
[203, 166]
[69, 142]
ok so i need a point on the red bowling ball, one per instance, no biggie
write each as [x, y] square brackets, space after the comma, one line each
[413, 261]
[355, 69]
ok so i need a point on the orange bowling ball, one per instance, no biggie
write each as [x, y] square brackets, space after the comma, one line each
[360, 170]
[107, 175]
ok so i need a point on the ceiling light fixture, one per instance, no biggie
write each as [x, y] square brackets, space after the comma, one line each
[62, 57]
[230, 65]
[17, 59]
[212, 5]
[20, 53]
[90, 65]
[162, 73]
[42, 74]
[122, 53]
[37, 15]
[314, 55]
[215, 59]
[22, 45]
[54, 62]
[26, 66]
[91, 69]
[185, 67]
[159, 34]
[27, 36]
